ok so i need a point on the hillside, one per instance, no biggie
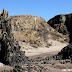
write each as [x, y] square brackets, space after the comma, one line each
[33, 30]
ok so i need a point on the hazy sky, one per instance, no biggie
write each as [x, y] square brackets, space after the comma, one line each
[42, 8]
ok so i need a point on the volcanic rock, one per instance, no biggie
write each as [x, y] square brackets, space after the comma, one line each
[66, 52]
[58, 22]
[63, 24]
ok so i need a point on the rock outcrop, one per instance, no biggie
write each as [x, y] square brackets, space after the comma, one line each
[58, 22]
[66, 52]
[10, 49]
[63, 24]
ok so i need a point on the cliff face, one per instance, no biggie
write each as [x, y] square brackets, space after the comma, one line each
[63, 24]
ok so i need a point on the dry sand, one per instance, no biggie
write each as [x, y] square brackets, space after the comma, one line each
[55, 48]
[4, 67]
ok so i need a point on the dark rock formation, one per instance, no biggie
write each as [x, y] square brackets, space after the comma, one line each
[66, 52]
[63, 24]
[58, 22]
[10, 49]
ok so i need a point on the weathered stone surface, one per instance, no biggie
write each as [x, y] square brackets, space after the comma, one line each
[65, 53]
[33, 68]
[10, 49]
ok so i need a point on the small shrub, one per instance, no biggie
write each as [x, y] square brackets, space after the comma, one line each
[54, 36]
[66, 40]
[50, 44]
[62, 41]
[35, 46]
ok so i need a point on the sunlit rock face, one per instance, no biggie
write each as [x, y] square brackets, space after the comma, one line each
[30, 29]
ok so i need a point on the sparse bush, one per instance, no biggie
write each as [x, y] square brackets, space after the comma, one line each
[62, 41]
[35, 46]
[66, 40]
[50, 44]
[54, 36]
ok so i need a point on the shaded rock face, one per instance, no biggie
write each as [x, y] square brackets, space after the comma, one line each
[68, 24]
[63, 24]
[65, 53]
[58, 22]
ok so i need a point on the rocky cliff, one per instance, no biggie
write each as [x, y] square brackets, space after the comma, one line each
[58, 22]
[63, 24]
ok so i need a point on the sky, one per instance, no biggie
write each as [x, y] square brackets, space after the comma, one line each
[41, 8]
